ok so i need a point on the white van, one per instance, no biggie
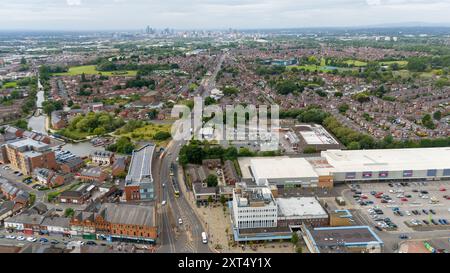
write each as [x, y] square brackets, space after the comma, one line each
[204, 238]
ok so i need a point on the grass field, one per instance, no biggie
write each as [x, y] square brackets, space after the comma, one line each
[356, 63]
[400, 63]
[311, 67]
[90, 70]
[405, 73]
[148, 131]
[9, 85]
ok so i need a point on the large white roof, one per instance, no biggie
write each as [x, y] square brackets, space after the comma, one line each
[281, 167]
[300, 207]
[388, 159]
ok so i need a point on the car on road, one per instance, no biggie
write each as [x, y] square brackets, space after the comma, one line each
[180, 221]
[403, 236]
[20, 238]
[31, 239]
[163, 202]
[404, 199]
[424, 192]
[204, 238]
[91, 243]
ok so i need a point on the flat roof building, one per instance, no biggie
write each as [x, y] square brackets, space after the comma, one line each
[342, 239]
[352, 165]
[389, 164]
[139, 181]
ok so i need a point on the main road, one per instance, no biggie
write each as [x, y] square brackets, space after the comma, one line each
[175, 237]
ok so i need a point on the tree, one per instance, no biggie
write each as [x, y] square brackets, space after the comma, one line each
[223, 200]
[299, 249]
[211, 180]
[152, 114]
[428, 122]
[15, 95]
[294, 239]
[437, 115]
[309, 150]
[161, 135]
[343, 108]
[69, 212]
[99, 131]
[210, 199]
[22, 124]
[353, 146]
[209, 101]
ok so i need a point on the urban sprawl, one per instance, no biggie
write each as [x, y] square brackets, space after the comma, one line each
[361, 160]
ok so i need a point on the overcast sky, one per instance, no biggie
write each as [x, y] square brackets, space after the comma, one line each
[212, 14]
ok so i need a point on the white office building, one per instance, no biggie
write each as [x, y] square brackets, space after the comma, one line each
[254, 208]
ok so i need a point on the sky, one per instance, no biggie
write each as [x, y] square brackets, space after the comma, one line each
[216, 14]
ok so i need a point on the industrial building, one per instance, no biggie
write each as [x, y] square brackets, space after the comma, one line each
[389, 164]
[139, 180]
[352, 165]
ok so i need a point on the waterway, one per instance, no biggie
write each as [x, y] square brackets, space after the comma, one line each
[82, 149]
[37, 123]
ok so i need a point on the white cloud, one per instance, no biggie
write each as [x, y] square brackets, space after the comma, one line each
[136, 14]
[73, 2]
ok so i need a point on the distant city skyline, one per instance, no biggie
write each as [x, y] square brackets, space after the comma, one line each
[218, 14]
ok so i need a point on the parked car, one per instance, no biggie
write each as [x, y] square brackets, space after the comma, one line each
[31, 239]
[432, 211]
[20, 238]
[403, 236]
